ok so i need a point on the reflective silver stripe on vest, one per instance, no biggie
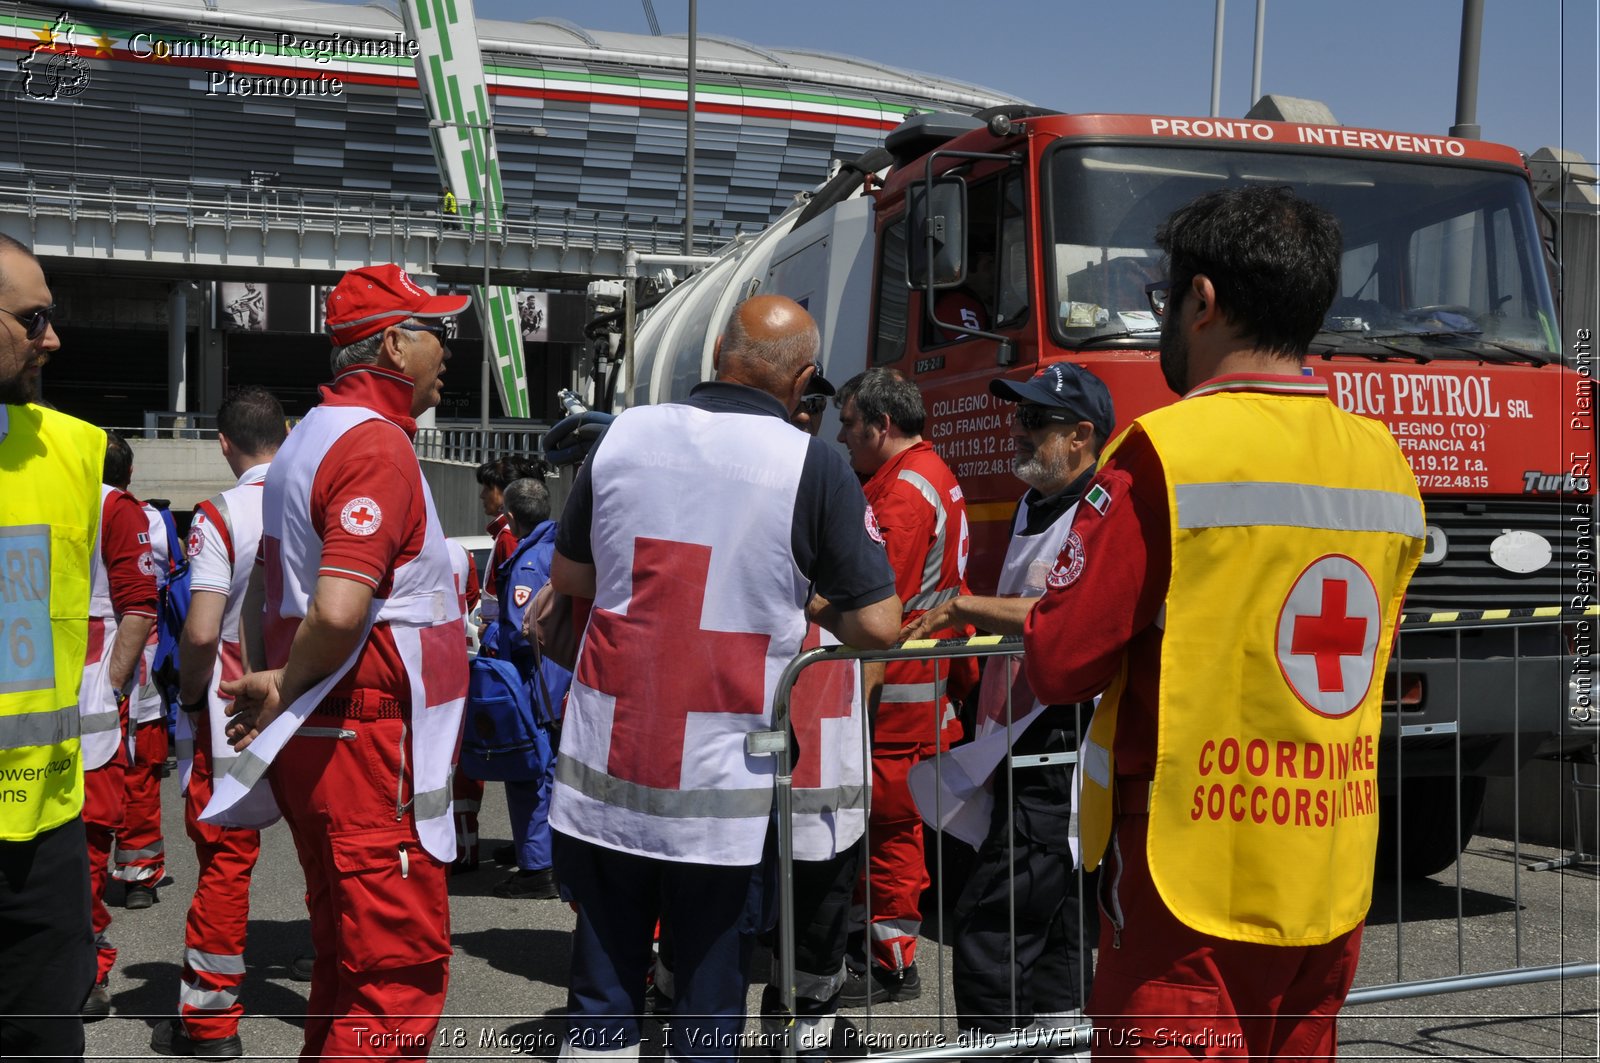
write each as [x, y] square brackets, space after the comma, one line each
[678, 804]
[24, 729]
[933, 564]
[816, 802]
[214, 962]
[184, 748]
[431, 804]
[206, 999]
[913, 692]
[220, 766]
[99, 722]
[1288, 505]
[924, 602]
[247, 769]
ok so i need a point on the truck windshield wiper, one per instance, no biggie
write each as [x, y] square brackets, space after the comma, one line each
[1473, 345]
[1118, 338]
[1328, 342]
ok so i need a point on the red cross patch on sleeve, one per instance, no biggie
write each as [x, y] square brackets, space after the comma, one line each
[1069, 566]
[872, 526]
[196, 541]
[360, 516]
[520, 595]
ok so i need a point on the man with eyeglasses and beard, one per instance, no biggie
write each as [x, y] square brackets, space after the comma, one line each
[366, 679]
[1020, 908]
[49, 513]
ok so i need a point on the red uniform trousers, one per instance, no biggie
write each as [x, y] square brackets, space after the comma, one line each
[466, 797]
[141, 854]
[103, 795]
[895, 865]
[214, 934]
[380, 913]
[1164, 990]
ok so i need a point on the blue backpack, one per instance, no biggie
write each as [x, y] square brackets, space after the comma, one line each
[173, 609]
[502, 739]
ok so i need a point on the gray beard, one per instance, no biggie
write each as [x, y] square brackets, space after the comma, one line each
[1036, 474]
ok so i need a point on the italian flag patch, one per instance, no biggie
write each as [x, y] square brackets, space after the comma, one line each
[1099, 498]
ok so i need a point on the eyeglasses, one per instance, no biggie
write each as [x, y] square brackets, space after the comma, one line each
[437, 330]
[813, 405]
[34, 321]
[1033, 417]
[1157, 292]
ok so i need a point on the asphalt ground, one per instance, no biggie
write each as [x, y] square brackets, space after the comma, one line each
[507, 978]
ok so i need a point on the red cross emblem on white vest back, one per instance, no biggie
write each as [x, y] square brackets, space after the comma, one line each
[660, 665]
[1327, 635]
[822, 692]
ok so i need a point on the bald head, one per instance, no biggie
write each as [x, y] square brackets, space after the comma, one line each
[770, 340]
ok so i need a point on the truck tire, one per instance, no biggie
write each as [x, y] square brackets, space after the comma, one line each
[1423, 813]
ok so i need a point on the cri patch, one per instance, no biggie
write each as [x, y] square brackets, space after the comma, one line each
[197, 540]
[520, 596]
[1069, 565]
[872, 526]
[360, 516]
[147, 563]
[1327, 635]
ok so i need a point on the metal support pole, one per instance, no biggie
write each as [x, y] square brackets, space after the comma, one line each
[1255, 65]
[1467, 71]
[488, 346]
[1216, 64]
[178, 347]
[688, 172]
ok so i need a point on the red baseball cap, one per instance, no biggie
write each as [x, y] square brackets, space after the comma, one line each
[368, 300]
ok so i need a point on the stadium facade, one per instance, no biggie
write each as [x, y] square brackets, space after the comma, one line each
[222, 105]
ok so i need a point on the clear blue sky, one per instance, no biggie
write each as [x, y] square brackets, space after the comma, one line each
[1387, 64]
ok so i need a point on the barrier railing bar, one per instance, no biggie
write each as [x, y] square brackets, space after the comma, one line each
[1466, 983]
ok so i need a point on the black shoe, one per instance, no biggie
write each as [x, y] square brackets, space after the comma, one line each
[656, 1002]
[97, 1005]
[139, 896]
[505, 855]
[533, 885]
[170, 1039]
[300, 969]
[883, 985]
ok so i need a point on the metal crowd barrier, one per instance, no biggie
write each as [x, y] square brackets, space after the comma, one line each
[1568, 712]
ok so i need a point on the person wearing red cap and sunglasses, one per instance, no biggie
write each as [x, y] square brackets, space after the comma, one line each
[366, 677]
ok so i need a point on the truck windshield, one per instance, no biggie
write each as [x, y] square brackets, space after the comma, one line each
[1439, 261]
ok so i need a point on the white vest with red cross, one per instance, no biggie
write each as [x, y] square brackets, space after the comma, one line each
[97, 702]
[698, 608]
[1029, 559]
[229, 523]
[145, 702]
[829, 788]
[424, 616]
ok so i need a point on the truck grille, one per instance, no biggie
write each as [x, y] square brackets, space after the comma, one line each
[1468, 579]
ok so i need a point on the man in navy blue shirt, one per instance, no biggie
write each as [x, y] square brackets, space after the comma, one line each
[520, 577]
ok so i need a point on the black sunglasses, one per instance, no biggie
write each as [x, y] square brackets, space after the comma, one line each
[437, 330]
[1157, 292]
[813, 404]
[35, 321]
[1034, 417]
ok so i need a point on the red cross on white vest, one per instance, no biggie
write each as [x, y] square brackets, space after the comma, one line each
[823, 692]
[660, 665]
[1330, 635]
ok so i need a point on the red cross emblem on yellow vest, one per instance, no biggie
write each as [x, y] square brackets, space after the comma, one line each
[1327, 635]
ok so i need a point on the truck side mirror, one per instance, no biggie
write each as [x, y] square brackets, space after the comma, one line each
[938, 209]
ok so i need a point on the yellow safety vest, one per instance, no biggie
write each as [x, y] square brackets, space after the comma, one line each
[1295, 529]
[49, 512]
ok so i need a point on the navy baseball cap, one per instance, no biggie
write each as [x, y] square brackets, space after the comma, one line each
[1063, 386]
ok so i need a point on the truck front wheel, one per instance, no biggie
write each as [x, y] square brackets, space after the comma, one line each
[1424, 812]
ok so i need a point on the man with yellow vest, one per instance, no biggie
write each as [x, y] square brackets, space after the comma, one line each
[1232, 583]
[49, 513]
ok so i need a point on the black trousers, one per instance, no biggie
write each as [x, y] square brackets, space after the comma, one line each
[47, 958]
[1025, 856]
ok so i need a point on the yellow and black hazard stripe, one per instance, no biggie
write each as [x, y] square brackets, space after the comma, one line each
[1490, 617]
